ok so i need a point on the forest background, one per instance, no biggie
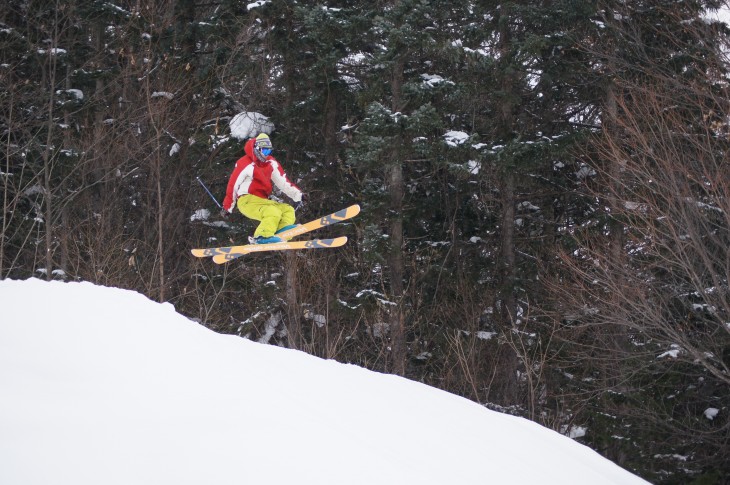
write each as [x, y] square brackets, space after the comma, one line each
[544, 184]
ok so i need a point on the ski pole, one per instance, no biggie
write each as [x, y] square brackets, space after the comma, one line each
[211, 195]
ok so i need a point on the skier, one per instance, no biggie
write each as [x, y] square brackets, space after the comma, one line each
[250, 186]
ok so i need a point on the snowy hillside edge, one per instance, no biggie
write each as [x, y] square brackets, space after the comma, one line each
[102, 385]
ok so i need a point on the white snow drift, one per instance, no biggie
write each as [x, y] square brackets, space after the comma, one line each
[101, 385]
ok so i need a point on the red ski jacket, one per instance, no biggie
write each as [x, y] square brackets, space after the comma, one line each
[252, 176]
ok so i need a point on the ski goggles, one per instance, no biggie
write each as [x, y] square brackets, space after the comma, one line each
[266, 151]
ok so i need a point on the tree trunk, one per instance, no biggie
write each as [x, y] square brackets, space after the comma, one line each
[397, 323]
[508, 260]
[396, 265]
[294, 333]
[505, 130]
[47, 156]
[6, 189]
[160, 221]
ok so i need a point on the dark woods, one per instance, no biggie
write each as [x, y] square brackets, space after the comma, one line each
[545, 192]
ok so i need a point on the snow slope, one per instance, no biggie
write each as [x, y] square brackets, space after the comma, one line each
[101, 385]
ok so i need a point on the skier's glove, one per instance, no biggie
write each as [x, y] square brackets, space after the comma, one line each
[224, 214]
[299, 205]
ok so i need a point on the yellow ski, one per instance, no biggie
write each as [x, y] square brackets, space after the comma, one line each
[236, 251]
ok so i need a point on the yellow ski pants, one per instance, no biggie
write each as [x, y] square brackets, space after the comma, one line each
[272, 215]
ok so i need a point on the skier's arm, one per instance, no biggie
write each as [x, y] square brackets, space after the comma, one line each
[230, 199]
[283, 183]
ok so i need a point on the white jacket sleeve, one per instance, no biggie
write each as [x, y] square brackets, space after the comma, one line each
[283, 183]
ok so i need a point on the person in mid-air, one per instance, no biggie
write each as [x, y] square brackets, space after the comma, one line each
[250, 186]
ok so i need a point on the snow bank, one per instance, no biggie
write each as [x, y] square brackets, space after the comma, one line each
[102, 385]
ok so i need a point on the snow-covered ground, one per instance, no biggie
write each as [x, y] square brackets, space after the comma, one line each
[103, 386]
